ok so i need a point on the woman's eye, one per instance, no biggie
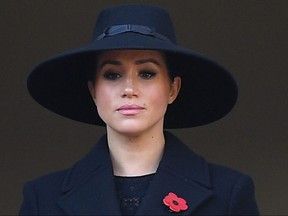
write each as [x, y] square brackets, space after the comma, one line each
[112, 75]
[147, 74]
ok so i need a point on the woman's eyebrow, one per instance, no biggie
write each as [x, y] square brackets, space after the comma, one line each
[143, 61]
[112, 62]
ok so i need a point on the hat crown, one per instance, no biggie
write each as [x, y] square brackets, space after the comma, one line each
[140, 15]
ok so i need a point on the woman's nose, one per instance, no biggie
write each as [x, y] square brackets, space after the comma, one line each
[130, 87]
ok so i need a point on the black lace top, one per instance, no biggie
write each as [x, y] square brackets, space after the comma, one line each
[130, 192]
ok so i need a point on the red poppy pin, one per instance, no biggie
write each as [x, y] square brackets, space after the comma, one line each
[175, 203]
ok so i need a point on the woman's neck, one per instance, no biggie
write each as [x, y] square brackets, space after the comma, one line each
[135, 155]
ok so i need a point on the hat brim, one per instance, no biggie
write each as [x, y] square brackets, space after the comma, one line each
[207, 94]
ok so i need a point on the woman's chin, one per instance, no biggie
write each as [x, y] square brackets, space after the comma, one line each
[130, 129]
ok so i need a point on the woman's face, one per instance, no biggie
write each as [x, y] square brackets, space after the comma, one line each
[132, 90]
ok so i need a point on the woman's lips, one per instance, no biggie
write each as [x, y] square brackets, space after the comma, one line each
[130, 109]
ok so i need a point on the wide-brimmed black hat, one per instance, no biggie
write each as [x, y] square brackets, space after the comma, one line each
[207, 94]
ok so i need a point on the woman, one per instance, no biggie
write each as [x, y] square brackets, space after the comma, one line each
[135, 80]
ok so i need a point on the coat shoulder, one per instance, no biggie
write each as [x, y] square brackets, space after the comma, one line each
[53, 179]
[41, 194]
[235, 188]
[224, 173]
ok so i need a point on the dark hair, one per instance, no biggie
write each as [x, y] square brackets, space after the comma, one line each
[170, 63]
[91, 68]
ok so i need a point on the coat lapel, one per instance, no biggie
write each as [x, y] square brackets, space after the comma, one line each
[181, 172]
[89, 188]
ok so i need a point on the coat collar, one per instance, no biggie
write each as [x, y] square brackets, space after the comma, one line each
[89, 187]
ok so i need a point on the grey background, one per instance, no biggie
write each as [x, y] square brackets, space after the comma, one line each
[248, 37]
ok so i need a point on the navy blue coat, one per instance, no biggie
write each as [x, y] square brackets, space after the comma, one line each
[88, 187]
